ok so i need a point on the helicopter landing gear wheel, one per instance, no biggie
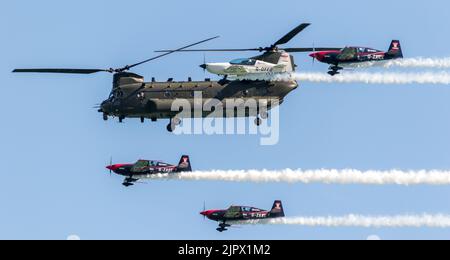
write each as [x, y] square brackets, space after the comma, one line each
[142, 120]
[121, 118]
[105, 117]
[264, 115]
[258, 121]
[174, 122]
[170, 128]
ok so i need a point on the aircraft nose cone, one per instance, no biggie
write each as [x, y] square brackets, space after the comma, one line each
[318, 56]
[204, 213]
[203, 66]
[110, 167]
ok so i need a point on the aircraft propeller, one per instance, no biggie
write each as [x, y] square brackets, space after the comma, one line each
[314, 57]
[110, 163]
[203, 66]
[204, 209]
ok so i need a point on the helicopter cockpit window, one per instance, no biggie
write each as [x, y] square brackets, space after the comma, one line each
[247, 62]
[116, 94]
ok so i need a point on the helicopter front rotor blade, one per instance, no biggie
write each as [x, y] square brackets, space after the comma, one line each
[61, 71]
[91, 71]
[167, 53]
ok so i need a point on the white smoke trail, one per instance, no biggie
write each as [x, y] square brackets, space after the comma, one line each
[392, 177]
[415, 221]
[375, 78]
[429, 63]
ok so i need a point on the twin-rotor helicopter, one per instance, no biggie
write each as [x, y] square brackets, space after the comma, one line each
[132, 97]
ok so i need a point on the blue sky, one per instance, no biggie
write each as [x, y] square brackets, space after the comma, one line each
[54, 145]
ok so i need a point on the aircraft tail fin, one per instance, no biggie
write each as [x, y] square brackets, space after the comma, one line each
[277, 210]
[395, 50]
[185, 164]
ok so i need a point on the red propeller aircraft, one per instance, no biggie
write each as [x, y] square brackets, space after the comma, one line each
[236, 214]
[354, 56]
[145, 168]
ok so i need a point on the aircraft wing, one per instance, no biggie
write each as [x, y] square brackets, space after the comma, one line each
[236, 70]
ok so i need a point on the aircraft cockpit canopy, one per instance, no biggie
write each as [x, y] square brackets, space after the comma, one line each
[245, 62]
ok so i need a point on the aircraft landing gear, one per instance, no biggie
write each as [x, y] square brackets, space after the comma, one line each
[223, 227]
[129, 181]
[333, 73]
[174, 122]
[121, 118]
[334, 70]
[258, 121]
[105, 117]
[142, 119]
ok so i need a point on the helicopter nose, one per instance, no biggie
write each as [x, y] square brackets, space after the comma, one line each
[204, 66]
[105, 107]
[204, 213]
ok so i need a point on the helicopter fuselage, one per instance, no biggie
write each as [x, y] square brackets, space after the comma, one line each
[131, 97]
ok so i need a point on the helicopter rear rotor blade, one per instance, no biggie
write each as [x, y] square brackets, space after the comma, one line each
[309, 49]
[212, 50]
[288, 37]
